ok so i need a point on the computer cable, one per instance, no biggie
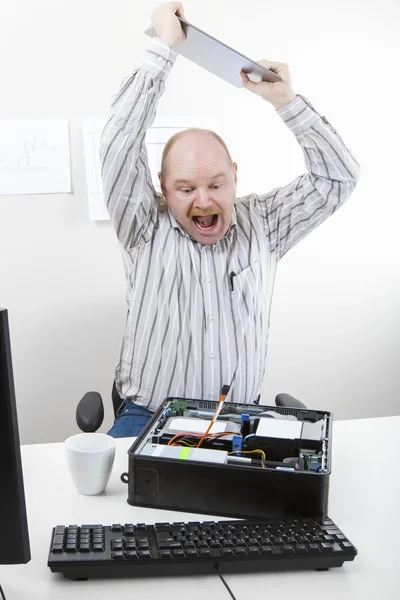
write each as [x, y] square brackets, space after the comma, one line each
[174, 441]
[224, 582]
[224, 392]
[257, 451]
[2, 593]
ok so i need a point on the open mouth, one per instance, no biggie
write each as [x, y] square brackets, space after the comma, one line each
[206, 224]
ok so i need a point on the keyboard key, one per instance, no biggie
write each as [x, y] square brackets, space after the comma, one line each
[144, 554]
[267, 550]
[116, 527]
[325, 547]
[130, 546]
[164, 537]
[129, 529]
[58, 539]
[131, 555]
[119, 555]
[346, 545]
[116, 545]
[98, 548]
[60, 530]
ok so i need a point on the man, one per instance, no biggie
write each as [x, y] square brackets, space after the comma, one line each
[200, 264]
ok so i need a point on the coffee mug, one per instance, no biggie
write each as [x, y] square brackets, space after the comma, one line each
[90, 458]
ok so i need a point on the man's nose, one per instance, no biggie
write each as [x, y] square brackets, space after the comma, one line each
[202, 199]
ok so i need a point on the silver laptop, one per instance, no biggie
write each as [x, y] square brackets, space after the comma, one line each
[218, 58]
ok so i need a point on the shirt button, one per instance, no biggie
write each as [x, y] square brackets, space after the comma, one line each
[211, 394]
[212, 355]
[208, 279]
[210, 317]
[160, 59]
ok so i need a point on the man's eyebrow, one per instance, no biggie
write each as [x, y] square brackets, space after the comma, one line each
[221, 174]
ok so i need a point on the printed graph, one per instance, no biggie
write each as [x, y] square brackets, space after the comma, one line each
[34, 157]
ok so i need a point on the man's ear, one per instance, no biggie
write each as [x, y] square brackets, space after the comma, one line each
[235, 170]
[161, 184]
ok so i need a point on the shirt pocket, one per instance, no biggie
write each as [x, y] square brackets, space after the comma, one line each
[248, 279]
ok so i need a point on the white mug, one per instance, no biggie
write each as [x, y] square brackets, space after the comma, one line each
[90, 458]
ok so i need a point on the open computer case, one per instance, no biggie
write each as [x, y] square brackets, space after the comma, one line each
[258, 461]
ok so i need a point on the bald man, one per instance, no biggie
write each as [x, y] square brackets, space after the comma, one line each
[200, 263]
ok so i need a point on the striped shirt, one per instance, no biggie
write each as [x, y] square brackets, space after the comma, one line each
[192, 326]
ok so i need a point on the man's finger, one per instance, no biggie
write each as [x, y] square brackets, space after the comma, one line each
[247, 83]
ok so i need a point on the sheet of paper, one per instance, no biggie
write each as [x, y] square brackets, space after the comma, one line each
[92, 129]
[156, 137]
[34, 157]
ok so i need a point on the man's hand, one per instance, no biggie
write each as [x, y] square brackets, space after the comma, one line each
[166, 24]
[278, 93]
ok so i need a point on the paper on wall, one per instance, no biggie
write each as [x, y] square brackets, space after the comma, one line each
[34, 157]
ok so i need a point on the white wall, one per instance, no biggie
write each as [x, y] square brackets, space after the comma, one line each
[335, 319]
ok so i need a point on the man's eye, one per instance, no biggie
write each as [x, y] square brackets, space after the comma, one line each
[217, 186]
[185, 191]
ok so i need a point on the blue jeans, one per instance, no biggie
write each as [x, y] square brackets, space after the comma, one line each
[130, 420]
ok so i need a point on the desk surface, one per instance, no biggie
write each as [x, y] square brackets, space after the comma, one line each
[364, 499]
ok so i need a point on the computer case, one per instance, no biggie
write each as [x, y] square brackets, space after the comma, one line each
[285, 473]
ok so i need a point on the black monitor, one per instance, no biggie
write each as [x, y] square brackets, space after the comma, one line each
[14, 538]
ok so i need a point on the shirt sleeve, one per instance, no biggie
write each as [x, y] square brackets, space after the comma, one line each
[129, 194]
[291, 212]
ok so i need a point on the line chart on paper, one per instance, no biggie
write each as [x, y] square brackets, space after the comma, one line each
[34, 157]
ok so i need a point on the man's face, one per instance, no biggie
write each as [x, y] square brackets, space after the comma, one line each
[200, 186]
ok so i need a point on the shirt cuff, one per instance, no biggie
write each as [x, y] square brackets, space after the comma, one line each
[159, 58]
[299, 114]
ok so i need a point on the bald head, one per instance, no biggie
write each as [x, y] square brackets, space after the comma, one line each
[190, 145]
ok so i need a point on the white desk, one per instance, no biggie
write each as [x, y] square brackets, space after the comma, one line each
[364, 502]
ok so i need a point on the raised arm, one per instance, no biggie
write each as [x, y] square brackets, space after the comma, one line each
[291, 212]
[129, 193]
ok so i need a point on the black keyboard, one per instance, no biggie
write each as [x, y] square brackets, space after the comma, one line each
[81, 552]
